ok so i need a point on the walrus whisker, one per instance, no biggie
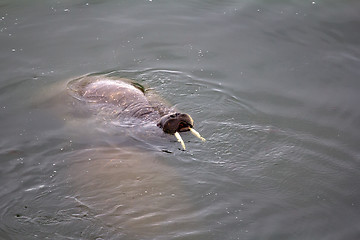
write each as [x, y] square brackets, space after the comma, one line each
[196, 134]
[179, 139]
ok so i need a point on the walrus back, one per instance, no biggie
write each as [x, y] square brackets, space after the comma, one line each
[113, 97]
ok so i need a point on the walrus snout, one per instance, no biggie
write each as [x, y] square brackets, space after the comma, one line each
[176, 122]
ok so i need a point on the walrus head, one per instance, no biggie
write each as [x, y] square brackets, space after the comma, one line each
[176, 122]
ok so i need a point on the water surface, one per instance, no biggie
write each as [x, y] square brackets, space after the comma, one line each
[274, 87]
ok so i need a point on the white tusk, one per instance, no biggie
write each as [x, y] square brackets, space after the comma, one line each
[196, 134]
[179, 139]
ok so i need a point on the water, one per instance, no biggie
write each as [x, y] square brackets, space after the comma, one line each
[274, 87]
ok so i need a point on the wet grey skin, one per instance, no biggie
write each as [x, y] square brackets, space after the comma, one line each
[121, 98]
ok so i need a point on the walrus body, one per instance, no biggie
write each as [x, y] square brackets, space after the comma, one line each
[118, 97]
[123, 100]
[123, 190]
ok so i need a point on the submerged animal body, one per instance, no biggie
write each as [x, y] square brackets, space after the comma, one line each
[123, 99]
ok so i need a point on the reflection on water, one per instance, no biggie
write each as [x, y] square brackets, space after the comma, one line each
[133, 193]
[108, 193]
[271, 86]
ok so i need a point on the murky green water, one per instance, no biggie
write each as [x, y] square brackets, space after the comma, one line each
[274, 87]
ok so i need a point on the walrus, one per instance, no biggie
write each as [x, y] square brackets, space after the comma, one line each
[121, 98]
